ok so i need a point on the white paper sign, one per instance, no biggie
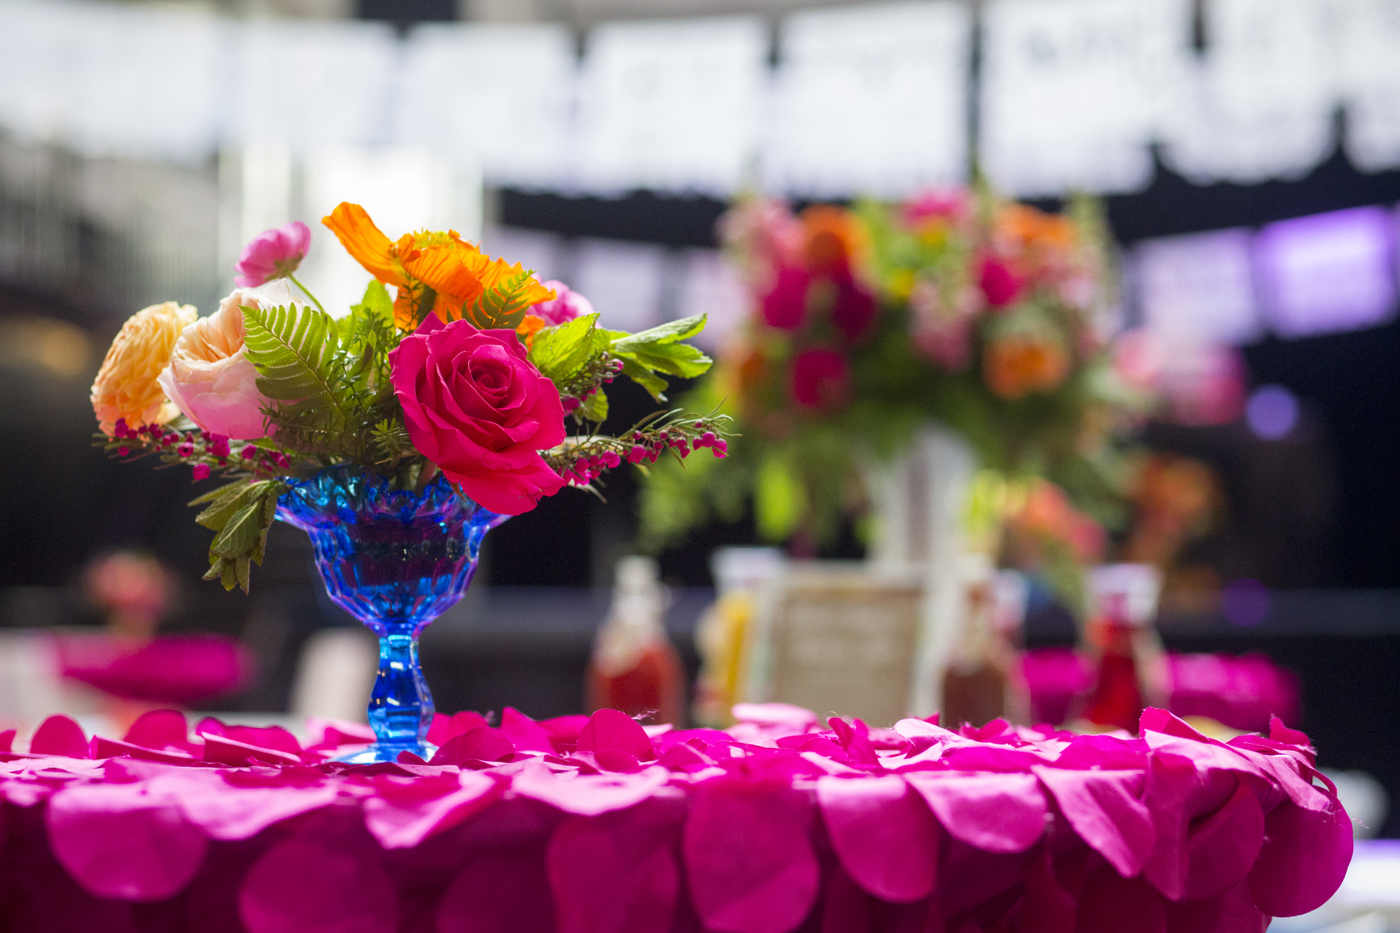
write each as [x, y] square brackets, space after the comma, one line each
[870, 100]
[671, 105]
[494, 95]
[1074, 90]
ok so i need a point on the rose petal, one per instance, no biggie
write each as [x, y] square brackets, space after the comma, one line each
[480, 744]
[614, 730]
[445, 727]
[1231, 912]
[403, 824]
[589, 794]
[1104, 809]
[749, 861]
[330, 886]
[1303, 860]
[499, 892]
[524, 733]
[995, 812]
[117, 841]
[1111, 903]
[1222, 847]
[883, 833]
[59, 735]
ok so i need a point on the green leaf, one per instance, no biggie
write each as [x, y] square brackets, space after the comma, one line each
[560, 352]
[595, 407]
[228, 575]
[377, 302]
[222, 509]
[294, 350]
[211, 495]
[240, 571]
[671, 332]
[645, 378]
[677, 359]
[502, 306]
[240, 535]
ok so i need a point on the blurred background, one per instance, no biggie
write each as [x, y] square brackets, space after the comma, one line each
[1247, 154]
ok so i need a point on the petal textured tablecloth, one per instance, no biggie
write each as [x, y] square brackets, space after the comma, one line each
[590, 825]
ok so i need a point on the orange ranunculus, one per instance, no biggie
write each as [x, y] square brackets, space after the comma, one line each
[1018, 364]
[1028, 228]
[832, 238]
[126, 386]
[438, 272]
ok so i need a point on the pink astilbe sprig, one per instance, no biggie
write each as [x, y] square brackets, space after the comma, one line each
[203, 452]
[273, 254]
[584, 459]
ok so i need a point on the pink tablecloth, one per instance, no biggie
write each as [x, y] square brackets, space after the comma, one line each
[1240, 692]
[182, 670]
[584, 826]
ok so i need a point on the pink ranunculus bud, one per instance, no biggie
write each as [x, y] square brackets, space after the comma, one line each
[273, 254]
[209, 378]
[566, 305]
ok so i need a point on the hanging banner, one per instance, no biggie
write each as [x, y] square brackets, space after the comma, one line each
[494, 96]
[313, 85]
[1370, 80]
[1073, 91]
[1258, 103]
[870, 100]
[671, 105]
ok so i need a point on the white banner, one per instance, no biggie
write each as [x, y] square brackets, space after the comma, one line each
[1371, 81]
[1074, 90]
[313, 85]
[1197, 288]
[498, 96]
[872, 100]
[1259, 103]
[671, 105]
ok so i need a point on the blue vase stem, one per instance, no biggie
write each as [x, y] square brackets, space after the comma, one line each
[401, 705]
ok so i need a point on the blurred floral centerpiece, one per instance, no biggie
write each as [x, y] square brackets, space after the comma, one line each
[986, 317]
[396, 435]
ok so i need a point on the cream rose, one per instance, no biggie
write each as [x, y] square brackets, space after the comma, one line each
[127, 385]
[211, 380]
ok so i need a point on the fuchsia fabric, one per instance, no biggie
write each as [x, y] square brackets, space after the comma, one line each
[600, 825]
[1240, 692]
[182, 670]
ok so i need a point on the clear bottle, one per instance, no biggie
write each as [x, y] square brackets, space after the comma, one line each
[634, 667]
[722, 636]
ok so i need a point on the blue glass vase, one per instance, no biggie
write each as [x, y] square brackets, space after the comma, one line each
[395, 560]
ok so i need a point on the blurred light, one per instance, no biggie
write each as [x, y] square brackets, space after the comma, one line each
[1245, 602]
[1272, 412]
[1328, 272]
[1198, 287]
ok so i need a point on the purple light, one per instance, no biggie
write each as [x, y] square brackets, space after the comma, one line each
[1327, 273]
[1245, 602]
[1272, 412]
[1199, 286]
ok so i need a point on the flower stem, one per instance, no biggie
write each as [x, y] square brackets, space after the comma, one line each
[305, 291]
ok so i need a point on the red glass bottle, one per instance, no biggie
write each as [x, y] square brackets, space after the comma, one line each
[1119, 632]
[634, 667]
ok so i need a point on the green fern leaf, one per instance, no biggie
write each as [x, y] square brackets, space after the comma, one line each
[294, 350]
[502, 306]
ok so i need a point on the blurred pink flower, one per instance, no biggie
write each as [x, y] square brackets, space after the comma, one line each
[785, 305]
[947, 203]
[854, 309]
[821, 378]
[566, 305]
[999, 283]
[273, 254]
[943, 325]
[209, 378]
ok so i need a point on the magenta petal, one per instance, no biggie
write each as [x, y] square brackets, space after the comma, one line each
[883, 833]
[401, 824]
[613, 729]
[1110, 903]
[1222, 847]
[119, 842]
[161, 729]
[524, 733]
[304, 884]
[617, 871]
[1171, 781]
[749, 859]
[498, 892]
[230, 751]
[479, 744]
[1231, 912]
[59, 735]
[1048, 907]
[845, 907]
[1104, 809]
[1303, 861]
[589, 794]
[996, 812]
[444, 728]
[224, 810]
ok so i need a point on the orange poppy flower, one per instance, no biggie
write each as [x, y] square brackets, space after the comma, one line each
[434, 272]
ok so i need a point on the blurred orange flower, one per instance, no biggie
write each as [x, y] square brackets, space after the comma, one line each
[1049, 518]
[437, 272]
[833, 240]
[1023, 227]
[1018, 364]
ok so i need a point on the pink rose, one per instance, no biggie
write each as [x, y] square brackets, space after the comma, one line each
[820, 379]
[567, 305]
[785, 305]
[209, 378]
[999, 283]
[273, 254]
[474, 405]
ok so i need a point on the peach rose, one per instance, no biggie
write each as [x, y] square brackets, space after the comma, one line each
[211, 380]
[126, 386]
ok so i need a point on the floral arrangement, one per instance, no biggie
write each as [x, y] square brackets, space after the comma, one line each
[473, 370]
[988, 316]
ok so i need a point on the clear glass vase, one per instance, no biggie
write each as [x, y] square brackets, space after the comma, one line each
[395, 560]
